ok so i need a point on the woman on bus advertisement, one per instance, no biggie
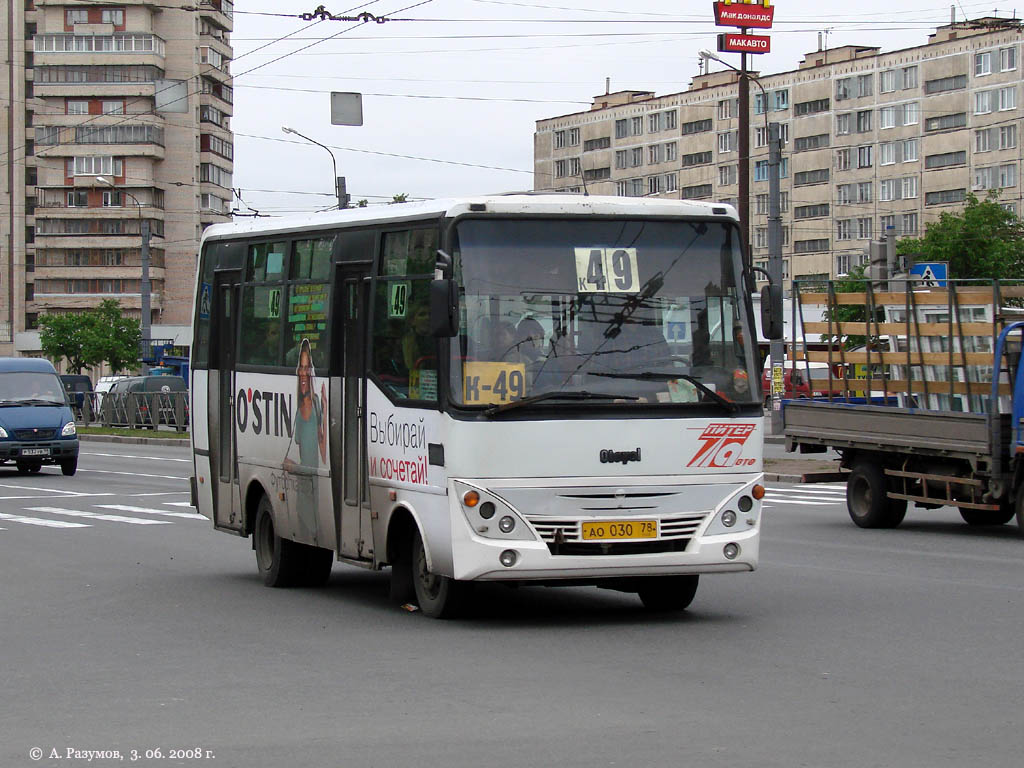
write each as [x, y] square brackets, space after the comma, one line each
[310, 435]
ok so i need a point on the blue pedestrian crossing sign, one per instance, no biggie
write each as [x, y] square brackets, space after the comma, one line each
[930, 274]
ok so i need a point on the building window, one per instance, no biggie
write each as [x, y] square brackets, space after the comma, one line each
[726, 142]
[781, 99]
[811, 107]
[574, 166]
[887, 153]
[112, 198]
[113, 16]
[671, 181]
[864, 121]
[77, 107]
[909, 77]
[946, 122]
[760, 237]
[810, 211]
[982, 63]
[670, 120]
[574, 137]
[909, 148]
[995, 176]
[76, 16]
[884, 222]
[887, 118]
[945, 159]
[560, 166]
[864, 85]
[810, 246]
[843, 86]
[761, 205]
[78, 198]
[844, 229]
[864, 228]
[804, 143]
[817, 176]
[636, 126]
[1007, 98]
[654, 185]
[654, 122]
[843, 124]
[760, 103]
[654, 154]
[671, 151]
[1007, 59]
[726, 175]
[864, 156]
[697, 126]
[636, 188]
[621, 159]
[911, 113]
[844, 159]
[1007, 136]
[95, 166]
[636, 157]
[696, 192]
[697, 158]
[945, 197]
[621, 129]
[939, 85]
[864, 192]
[908, 224]
[726, 110]
[559, 139]
[982, 102]
[113, 107]
[887, 81]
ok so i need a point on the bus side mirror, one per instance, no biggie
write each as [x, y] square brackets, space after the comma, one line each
[771, 312]
[444, 308]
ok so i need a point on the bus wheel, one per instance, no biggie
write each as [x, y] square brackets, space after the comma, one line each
[439, 597]
[999, 516]
[69, 466]
[668, 593]
[866, 499]
[276, 558]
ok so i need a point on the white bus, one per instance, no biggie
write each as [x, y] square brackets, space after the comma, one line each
[549, 389]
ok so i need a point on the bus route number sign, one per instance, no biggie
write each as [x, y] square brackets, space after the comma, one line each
[606, 270]
[493, 383]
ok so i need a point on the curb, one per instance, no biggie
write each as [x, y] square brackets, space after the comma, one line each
[133, 440]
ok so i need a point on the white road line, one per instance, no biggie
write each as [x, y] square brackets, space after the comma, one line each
[159, 493]
[98, 516]
[46, 496]
[136, 474]
[130, 456]
[800, 489]
[44, 490]
[150, 511]
[42, 522]
[177, 503]
[783, 497]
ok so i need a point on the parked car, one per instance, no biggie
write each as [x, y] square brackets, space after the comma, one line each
[77, 386]
[36, 423]
[152, 387]
[103, 386]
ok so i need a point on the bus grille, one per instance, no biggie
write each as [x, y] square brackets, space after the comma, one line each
[563, 537]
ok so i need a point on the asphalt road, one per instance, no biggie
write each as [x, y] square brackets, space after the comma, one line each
[846, 648]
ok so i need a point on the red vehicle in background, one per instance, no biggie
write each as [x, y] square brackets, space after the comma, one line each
[796, 383]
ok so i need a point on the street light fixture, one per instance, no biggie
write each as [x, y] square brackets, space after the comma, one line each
[144, 285]
[338, 181]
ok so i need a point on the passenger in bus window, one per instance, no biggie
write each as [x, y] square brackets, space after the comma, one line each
[310, 434]
[530, 343]
[417, 343]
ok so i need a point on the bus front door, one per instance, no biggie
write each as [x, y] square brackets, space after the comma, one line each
[352, 505]
[227, 498]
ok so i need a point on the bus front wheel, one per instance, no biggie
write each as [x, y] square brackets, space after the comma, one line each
[668, 593]
[276, 558]
[439, 597]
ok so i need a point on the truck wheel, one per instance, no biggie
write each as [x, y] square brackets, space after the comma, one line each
[69, 466]
[866, 499]
[668, 593]
[999, 516]
[277, 558]
[439, 597]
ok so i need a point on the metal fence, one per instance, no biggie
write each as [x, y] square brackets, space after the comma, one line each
[135, 410]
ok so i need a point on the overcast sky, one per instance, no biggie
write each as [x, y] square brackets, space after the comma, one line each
[452, 88]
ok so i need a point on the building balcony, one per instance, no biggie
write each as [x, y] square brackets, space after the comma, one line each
[219, 12]
[93, 90]
[53, 302]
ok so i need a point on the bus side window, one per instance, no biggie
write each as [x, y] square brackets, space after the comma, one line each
[262, 299]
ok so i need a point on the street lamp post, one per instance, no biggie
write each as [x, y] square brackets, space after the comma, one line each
[144, 285]
[339, 182]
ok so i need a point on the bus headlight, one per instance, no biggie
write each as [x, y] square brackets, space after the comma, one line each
[739, 510]
[490, 516]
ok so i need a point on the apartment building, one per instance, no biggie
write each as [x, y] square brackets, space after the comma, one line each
[872, 140]
[136, 92]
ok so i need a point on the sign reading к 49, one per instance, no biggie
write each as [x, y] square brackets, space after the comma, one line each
[733, 43]
[758, 15]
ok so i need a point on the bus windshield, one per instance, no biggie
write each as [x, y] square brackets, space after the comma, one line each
[634, 312]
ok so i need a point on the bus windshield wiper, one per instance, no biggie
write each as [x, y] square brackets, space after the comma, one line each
[654, 376]
[569, 395]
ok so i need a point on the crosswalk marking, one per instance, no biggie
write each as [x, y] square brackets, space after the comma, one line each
[98, 516]
[41, 521]
[800, 503]
[150, 511]
[813, 489]
[178, 503]
[769, 498]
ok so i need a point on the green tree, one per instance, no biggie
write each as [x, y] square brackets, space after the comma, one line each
[854, 282]
[86, 339]
[984, 241]
[401, 197]
[65, 336]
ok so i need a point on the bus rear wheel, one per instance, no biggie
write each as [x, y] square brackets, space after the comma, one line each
[439, 597]
[277, 559]
[668, 593]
